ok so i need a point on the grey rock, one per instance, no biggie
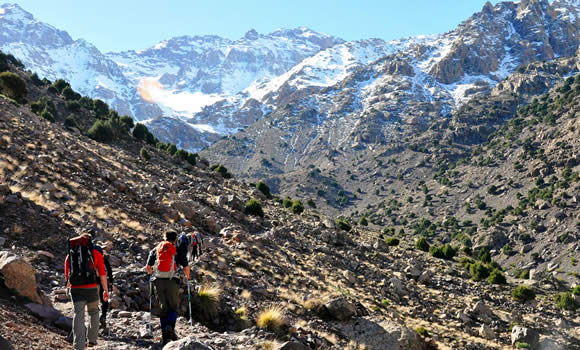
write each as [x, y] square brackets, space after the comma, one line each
[549, 344]
[383, 335]
[525, 335]
[486, 332]
[44, 312]
[189, 343]
[425, 277]
[292, 345]
[340, 308]
[64, 323]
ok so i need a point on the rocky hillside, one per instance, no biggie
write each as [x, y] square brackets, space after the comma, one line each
[336, 287]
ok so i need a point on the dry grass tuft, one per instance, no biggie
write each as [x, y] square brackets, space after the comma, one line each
[272, 318]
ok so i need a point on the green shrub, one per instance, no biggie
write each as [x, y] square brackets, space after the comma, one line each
[6, 59]
[262, 187]
[101, 131]
[60, 85]
[127, 122]
[191, 158]
[42, 104]
[35, 79]
[47, 115]
[445, 251]
[311, 203]
[576, 290]
[100, 108]
[363, 221]
[287, 202]
[73, 106]
[566, 301]
[523, 293]
[145, 154]
[254, 207]
[422, 332]
[150, 138]
[222, 170]
[70, 95]
[343, 224]
[392, 241]
[484, 255]
[297, 207]
[13, 86]
[478, 271]
[140, 131]
[524, 274]
[71, 121]
[522, 345]
[496, 277]
[422, 244]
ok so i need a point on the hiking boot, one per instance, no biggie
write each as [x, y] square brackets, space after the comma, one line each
[103, 322]
[91, 345]
[165, 335]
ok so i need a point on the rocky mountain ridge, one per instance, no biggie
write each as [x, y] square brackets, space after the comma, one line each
[337, 287]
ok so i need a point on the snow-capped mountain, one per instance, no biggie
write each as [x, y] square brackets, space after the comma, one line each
[416, 80]
[193, 90]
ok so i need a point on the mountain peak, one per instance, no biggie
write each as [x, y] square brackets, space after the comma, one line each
[14, 10]
[252, 34]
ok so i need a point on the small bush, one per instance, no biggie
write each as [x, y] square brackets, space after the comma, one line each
[100, 108]
[71, 121]
[496, 277]
[140, 131]
[101, 131]
[47, 115]
[343, 224]
[271, 319]
[445, 251]
[70, 95]
[222, 170]
[422, 332]
[287, 202]
[60, 85]
[262, 187]
[191, 158]
[73, 106]
[566, 301]
[522, 345]
[242, 313]
[392, 241]
[297, 207]
[576, 290]
[363, 221]
[145, 154]
[36, 80]
[13, 86]
[254, 207]
[422, 244]
[484, 255]
[478, 271]
[523, 293]
[311, 203]
[524, 274]
[127, 122]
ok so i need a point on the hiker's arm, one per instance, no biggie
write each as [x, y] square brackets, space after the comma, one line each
[187, 272]
[66, 270]
[99, 261]
[151, 261]
[105, 287]
[109, 270]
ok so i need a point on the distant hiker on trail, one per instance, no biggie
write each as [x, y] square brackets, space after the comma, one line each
[83, 267]
[104, 249]
[162, 266]
[190, 244]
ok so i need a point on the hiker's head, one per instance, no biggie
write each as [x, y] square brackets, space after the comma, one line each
[170, 236]
[106, 246]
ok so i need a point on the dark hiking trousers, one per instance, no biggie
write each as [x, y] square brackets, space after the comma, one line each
[167, 293]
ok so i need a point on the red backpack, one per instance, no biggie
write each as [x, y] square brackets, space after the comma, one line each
[165, 263]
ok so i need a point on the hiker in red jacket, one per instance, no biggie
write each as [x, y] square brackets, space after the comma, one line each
[83, 267]
[162, 265]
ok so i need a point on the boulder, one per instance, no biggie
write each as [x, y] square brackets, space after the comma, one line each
[486, 332]
[340, 309]
[293, 345]
[43, 312]
[19, 276]
[349, 276]
[383, 335]
[64, 323]
[397, 286]
[525, 335]
[549, 344]
[189, 343]
[425, 277]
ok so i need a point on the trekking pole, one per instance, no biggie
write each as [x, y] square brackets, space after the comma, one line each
[149, 327]
[189, 302]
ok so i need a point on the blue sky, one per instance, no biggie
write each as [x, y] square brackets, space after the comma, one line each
[137, 24]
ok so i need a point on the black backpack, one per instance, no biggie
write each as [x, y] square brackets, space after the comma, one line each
[81, 261]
